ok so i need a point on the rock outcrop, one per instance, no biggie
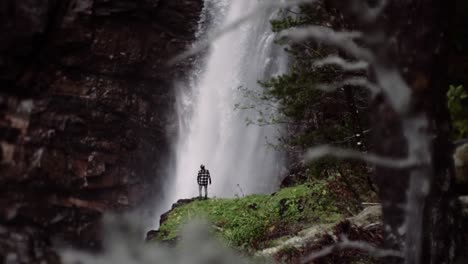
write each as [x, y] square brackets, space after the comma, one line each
[85, 109]
[296, 247]
[460, 160]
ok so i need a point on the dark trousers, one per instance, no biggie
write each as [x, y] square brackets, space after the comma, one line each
[200, 189]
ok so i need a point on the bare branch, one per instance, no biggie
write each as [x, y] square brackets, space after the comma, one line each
[394, 88]
[343, 64]
[343, 40]
[206, 42]
[326, 150]
[389, 79]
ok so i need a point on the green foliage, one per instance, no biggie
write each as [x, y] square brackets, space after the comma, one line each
[294, 92]
[310, 115]
[320, 167]
[457, 104]
[278, 25]
[250, 221]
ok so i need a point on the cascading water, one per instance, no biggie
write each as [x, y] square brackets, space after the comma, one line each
[211, 130]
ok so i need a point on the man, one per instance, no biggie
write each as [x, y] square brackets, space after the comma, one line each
[203, 179]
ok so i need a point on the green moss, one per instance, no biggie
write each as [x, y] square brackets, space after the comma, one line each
[457, 100]
[250, 221]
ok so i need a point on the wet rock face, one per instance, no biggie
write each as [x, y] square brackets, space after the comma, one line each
[85, 103]
[460, 159]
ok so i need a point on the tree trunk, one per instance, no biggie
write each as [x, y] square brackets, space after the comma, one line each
[422, 222]
[417, 44]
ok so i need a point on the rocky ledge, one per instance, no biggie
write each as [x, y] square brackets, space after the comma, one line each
[354, 239]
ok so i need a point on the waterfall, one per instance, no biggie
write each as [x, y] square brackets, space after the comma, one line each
[211, 130]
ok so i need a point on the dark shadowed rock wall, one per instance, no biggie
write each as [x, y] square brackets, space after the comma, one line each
[85, 100]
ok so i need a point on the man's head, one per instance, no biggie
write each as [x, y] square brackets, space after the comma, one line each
[202, 167]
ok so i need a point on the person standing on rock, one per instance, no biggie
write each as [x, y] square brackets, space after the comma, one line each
[203, 179]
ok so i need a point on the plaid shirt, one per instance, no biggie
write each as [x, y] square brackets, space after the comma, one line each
[203, 177]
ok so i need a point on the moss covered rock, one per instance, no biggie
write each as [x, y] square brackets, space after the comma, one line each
[253, 221]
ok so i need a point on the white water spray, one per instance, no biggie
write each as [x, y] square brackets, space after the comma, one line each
[211, 130]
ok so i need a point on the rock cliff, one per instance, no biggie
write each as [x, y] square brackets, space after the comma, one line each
[85, 103]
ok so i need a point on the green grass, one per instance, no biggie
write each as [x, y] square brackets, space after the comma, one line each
[251, 221]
